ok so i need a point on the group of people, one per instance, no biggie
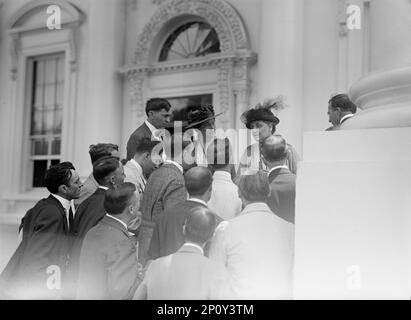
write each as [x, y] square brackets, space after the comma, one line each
[177, 219]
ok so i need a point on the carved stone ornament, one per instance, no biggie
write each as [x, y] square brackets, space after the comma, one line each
[233, 62]
[75, 18]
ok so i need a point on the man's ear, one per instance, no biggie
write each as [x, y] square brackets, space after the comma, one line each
[184, 229]
[62, 189]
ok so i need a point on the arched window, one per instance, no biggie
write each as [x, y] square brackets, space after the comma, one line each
[191, 40]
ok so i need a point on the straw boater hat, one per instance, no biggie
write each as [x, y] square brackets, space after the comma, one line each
[263, 112]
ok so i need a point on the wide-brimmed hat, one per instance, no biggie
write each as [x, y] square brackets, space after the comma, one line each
[193, 116]
[263, 112]
[258, 114]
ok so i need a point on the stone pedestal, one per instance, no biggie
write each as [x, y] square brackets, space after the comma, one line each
[353, 215]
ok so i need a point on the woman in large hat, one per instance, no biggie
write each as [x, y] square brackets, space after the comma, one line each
[262, 121]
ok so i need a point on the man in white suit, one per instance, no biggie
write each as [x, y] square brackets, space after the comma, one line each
[146, 159]
[187, 274]
[256, 246]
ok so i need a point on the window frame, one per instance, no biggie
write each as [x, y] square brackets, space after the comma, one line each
[29, 92]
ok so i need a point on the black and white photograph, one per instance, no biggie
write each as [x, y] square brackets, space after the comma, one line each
[218, 151]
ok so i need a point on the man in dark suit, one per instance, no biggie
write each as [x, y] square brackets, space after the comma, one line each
[168, 232]
[96, 151]
[158, 115]
[37, 268]
[165, 188]
[109, 173]
[340, 109]
[108, 261]
[282, 180]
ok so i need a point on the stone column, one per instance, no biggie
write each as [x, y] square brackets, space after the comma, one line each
[280, 57]
[385, 94]
[353, 217]
[100, 112]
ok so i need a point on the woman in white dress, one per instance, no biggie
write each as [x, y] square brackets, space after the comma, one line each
[262, 121]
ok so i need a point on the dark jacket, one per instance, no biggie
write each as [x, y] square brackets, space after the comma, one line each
[165, 188]
[89, 214]
[168, 232]
[37, 268]
[141, 132]
[282, 193]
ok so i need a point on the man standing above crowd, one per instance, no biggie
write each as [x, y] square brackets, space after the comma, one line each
[158, 115]
[165, 188]
[340, 109]
[168, 232]
[144, 162]
[187, 274]
[108, 262]
[224, 199]
[96, 152]
[37, 268]
[282, 180]
[256, 246]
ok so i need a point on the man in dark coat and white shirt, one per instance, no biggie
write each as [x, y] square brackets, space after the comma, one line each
[282, 180]
[108, 261]
[37, 268]
[168, 234]
[158, 115]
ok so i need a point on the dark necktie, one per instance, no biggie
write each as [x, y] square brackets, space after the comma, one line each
[71, 220]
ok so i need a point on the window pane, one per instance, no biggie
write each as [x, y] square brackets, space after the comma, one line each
[39, 72]
[39, 147]
[60, 91]
[46, 113]
[50, 71]
[36, 123]
[39, 170]
[49, 96]
[191, 40]
[48, 122]
[60, 70]
[55, 146]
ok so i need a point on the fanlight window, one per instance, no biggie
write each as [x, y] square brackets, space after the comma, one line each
[191, 40]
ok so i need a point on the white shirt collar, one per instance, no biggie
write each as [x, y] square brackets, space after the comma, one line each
[64, 202]
[197, 200]
[137, 165]
[176, 164]
[277, 167]
[153, 129]
[122, 222]
[346, 117]
[190, 244]
[103, 187]
[222, 175]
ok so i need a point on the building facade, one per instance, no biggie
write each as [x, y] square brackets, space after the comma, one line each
[78, 72]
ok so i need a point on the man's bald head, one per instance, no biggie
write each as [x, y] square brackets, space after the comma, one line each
[274, 148]
[198, 181]
[200, 225]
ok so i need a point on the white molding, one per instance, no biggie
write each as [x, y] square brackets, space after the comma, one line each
[74, 13]
[232, 63]
[29, 41]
